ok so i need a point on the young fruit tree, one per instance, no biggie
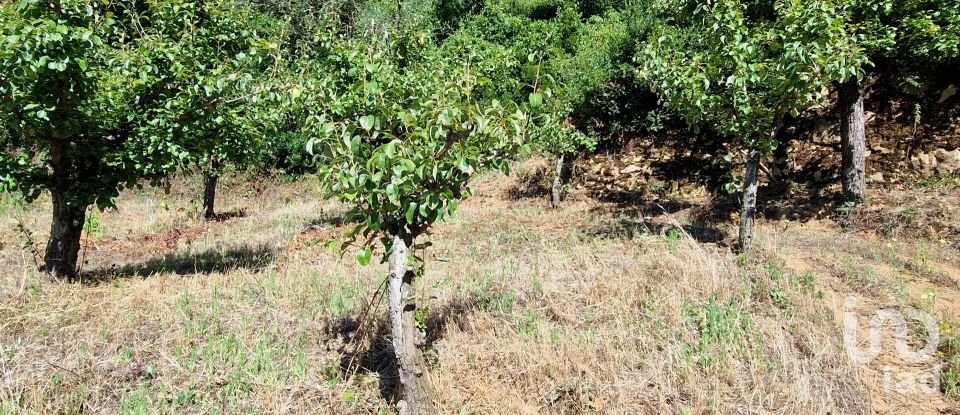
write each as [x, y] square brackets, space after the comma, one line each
[904, 36]
[226, 104]
[90, 103]
[740, 67]
[398, 141]
[69, 97]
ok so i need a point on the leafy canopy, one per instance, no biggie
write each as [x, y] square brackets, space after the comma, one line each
[120, 91]
[740, 66]
[907, 32]
[399, 137]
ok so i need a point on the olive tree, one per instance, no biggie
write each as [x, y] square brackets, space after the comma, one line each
[398, 140]
[740, 67]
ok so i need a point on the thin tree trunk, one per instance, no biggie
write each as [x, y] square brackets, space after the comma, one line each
[750, 187]
[416, 391]
[557, 183]
[63, 247]
[853, 140]
[209, 195]
[210, 189]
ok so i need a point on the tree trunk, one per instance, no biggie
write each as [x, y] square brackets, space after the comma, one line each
[750, 186]
[557, 183]
[411, 367]
[853, 141]
[210, 189]
[63, 247]
[209, 195]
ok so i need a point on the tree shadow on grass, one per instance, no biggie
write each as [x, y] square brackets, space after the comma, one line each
[369, 353]
[628, 221]
[373, 352]
[329, 218]
[213, 260]
[231, 214]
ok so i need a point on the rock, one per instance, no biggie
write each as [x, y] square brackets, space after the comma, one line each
[924, 164]
[875, 178]
[882, 150]
[947, 162]
[633, 168]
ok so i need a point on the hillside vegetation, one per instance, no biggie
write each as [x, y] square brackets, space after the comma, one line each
[479, 206]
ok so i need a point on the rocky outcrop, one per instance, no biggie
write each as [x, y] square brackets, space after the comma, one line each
[940, 161]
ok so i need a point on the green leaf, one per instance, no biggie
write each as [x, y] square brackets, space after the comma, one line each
[411, 211]
[367, 121]
[391, 149]
[536, 100]
[364, 256]
[452, 207]
[333, 246]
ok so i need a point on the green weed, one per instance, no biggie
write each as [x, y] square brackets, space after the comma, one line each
[720, 330]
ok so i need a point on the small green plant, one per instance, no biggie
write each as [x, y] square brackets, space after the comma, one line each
[93, 226]
[504, 302]
[527, 326]
[536, 291]
[420, 319]
[776, 293]
[344, 298]
[923, 254]
[909, 215]
[720, 330]
[657, 188]
[555, 335]
[126, 355]
[779, 298]
[940, 181]
[845, 208]
[928, 299]
[949, 354]
[807, 282]
[673, 240]
[136, 402]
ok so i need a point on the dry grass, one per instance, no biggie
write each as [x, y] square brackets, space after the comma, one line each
[876, 273]
[531, 310]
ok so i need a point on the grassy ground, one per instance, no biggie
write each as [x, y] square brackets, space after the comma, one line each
[590, 308]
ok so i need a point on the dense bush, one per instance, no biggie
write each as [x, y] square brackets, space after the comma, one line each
[287, 154]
